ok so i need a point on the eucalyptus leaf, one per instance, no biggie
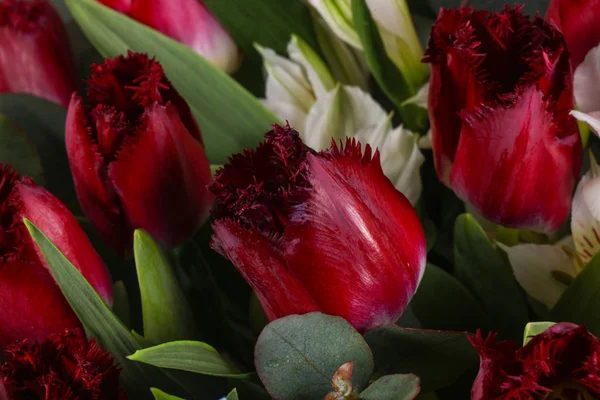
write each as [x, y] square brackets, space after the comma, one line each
[98, 319]
[442, 302]
[166, 313]
[17, 150]
[296, 356]
[386, 73]
[229, 116]
[393, 387]
[581, 301]
[437, 357]
[160, 395]
[489, 278]
[187, 355]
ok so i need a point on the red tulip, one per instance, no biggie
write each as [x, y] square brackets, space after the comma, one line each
[63, 367]
[136, 155]
[187, 21]
[35, 57]
[31, 304]
[500, 95]
[578, 20]
[560, 363]
[320, 231]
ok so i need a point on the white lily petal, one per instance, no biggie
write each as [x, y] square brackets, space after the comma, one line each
[587, 82]
[342, 112]
[585, 224]
[592, 119]
[338, 15]
[287, 112]
[287, 81]
[318, 74]
[421, 98]
[425, 141]
[534, 267]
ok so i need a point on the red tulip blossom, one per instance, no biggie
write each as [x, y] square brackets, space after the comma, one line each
[322, 231]
[500, 95]
[187, 21]
[560, 363]
[136, 155]
[35, 57]
[32, 305]
[65, 366]
[579, 22]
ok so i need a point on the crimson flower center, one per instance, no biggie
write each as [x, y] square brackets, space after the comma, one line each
[21, 15]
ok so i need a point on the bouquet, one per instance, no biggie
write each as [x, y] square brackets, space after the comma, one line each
[299, 199]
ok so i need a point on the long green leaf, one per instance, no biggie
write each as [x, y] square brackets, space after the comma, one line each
[229, 116]
[166, 313]
[160, 395]
[98, 319]
[187, 355]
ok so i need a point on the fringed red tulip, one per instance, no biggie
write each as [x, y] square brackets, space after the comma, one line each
[579, 22]
[187, 21]
[322, 231]
[35, 57]
[136, 155]
[32, 305]
[65, 366]
[561, 363]
[499, 101]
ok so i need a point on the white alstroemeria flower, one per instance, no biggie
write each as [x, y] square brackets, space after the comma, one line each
[421, 99]
[587, 82]
[293, 85]
[395, 27]
[348, 111]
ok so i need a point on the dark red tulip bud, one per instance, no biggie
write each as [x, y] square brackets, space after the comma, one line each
[65, 366]
[320, 231]
[579, 22]
[136, 155]
[560, 363]
[35, 57]
[499, 101]
[33, 306]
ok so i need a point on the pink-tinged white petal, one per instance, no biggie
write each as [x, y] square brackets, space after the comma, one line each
[538, 268]
[263, 267]
[586, 85]
[585, 224]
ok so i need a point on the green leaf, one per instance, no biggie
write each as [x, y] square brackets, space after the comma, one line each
[16, 149]
[160, 395]
[98, 319]
[490, 278]
[296, 356]
[230, 117]
[387, 75]
[166, 313]
[233, 395]
[187, 355]
[269, 23]
[535, 328]
[581, 301]
[437, 357]
[44, 124]
[393, 387]
[120, 305]
[442, 302]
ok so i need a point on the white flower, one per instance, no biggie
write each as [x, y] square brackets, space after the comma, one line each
[587, 82]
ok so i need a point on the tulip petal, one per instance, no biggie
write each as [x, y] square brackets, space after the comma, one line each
[342, 112]
[585, 225]
[263, 267]
[500, 153]
[535, 268]
[60, 226]
[33, 306]
[161, 177]
[95, 195]
[587, 82]
[354, 213]
[191, 23]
